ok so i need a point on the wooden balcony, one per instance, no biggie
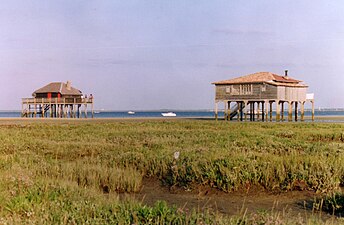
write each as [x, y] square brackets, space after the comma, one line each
[61, 101]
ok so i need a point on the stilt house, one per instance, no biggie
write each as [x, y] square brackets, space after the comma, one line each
[256, 93]
[57, 99]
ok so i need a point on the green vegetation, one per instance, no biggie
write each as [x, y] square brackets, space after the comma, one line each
[67, 172]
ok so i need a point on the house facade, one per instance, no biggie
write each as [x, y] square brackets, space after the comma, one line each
[260, 91]
[57, 99]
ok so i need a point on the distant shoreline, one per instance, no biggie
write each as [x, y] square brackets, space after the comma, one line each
[318, 119]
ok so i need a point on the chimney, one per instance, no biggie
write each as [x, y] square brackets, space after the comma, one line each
[286, 73]
[69, 85]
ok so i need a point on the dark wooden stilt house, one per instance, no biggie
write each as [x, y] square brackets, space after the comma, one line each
[59, 100]
[256, 93]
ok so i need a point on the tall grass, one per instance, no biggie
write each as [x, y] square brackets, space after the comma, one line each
[76, 162]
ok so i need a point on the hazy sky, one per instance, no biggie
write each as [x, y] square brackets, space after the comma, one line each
[158, 54]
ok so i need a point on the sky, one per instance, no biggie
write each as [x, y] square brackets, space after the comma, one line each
[160, 54]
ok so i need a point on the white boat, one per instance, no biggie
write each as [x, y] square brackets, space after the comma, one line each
[131, 112]
[169, 114]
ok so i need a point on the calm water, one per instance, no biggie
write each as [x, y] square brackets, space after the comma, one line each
[187, 114]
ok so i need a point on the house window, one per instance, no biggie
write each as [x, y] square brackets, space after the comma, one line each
[235, 89]
[243, 89]
[263, 87]
[246, 89]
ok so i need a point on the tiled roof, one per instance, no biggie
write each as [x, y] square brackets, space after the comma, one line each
[58, 87]
[263, 77]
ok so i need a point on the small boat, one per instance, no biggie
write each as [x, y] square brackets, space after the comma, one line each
[131, 112]
[168, 114]
[96, 112]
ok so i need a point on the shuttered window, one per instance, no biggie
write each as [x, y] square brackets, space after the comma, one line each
[242, 89]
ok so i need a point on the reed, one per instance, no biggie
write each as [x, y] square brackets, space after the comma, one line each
[74, 165]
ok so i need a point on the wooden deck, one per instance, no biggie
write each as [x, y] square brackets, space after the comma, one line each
[57, 107]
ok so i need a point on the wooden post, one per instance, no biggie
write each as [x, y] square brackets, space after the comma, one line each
[296, 110]
[253, 111]
[278, 113]
[27, 105]
[290, 112]
[225, 110]
[258, 111]
[238, 111]
[35, 110]
[86, 110]
[216, 110]
[50, 109]
[56, 108]
[43, 108]
[282, 111]
[22, 111]
[263, 111]
[29, 110]
[302, 111]
[92, 109]
[64, 108]
[271, 102]
[312, 110]
[266, 110]
[246, 103]
[74, 108]
[229, 111]
[79, 111]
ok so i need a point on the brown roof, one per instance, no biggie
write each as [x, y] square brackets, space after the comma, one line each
[263, 77]
[58, 87]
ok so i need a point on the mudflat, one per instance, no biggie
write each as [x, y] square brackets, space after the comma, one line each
[127, 171]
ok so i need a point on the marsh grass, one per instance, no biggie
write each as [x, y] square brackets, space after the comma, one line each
[64, 172]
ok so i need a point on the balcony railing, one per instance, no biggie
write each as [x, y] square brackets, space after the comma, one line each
[57, 101]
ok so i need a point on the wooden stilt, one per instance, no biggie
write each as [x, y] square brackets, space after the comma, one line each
[263, 111]
[258, 111]
[238, 111]
[56, 108]
[229, 111]
[282, 111]
[290, 111]
[22, 111]
[296, 111]
[35, 110]
[278, 113]
[27, 107]
[253, 112]
[50, 109]
[86, 110]
[216, 110]
[245, 104]
[225, 111]
[92, 109]
[241, 111]
[271, 102]
[266, 110]
[250, 103]
[43, 108]
[302, 111]
[74, 108]
[312, 110]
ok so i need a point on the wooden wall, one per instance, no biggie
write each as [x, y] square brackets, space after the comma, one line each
[258, 92]
[292, 93]
[261, 91]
